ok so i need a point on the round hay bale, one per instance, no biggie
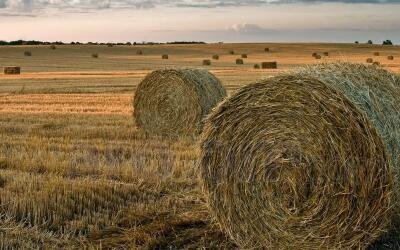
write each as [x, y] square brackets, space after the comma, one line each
[206, 62]
[269, 65]
[139, 52]
[215, 57]
[314, 54]
[376, 53]
[305, 160]
[376, 63]
[52, 47]
[370, 60]
[256, 66]
[173, 103]
[27, 53]
[165, 57]
[12, 70]
[390, 57]
[239, 61]
[95, 55]
[318, 57]
[244, 55]
[326, 53]
[266, 50]
[232, 52]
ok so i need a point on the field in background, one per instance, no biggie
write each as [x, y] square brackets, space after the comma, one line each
[74, 169]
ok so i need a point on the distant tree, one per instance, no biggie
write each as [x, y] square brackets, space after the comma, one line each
[370, 42]
[129, 43]
[387, 42]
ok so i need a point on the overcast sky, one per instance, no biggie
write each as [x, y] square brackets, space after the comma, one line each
[201, 20]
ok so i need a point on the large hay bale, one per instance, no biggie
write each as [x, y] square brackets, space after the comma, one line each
[256, 66]
[232, 52]
[244, 55]
[173, 103]
[370, 60]
[267, 50]
[326, 53]
[12, 70]
[318, 57]
[314, 54]
[95, 55]
[206, 62]
[390, 57]
[269, 65]
[165, 57]
[376, 53]
[215, 57]
[139, 52]
[306, 160]
[376, 63]
[239, 61]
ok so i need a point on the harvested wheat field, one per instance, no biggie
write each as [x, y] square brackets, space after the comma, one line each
[76, 170]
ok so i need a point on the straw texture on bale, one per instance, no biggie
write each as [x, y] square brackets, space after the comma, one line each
[206, 62]
[173, 103]
[12, 70]
[164, 56]
[239, 61]
[269, 65]
[306, 160]
[215, 57]
[370, 60]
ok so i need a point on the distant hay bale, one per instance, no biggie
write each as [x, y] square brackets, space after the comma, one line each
[215, 57]
[239, 61]
[370, 60]
[95, 55]
[314, 54]
[318, 57]
[269, 65]
[164, 57]
[52, 47]
[376, 53]
[390, 57]
[206, 62]
[266, 50]
[326, 53]
[306, 160]
[256, 66]
[173, 103]
[244, 55]
[12, 70]
[232, 52]
[376, 63]
[139, 52]
[28, 53]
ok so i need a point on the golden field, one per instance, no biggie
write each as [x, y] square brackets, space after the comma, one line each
[75, 172]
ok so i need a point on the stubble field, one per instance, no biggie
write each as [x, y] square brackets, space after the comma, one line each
[75, 172]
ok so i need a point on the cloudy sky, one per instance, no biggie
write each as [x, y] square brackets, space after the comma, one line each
[201, 20]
